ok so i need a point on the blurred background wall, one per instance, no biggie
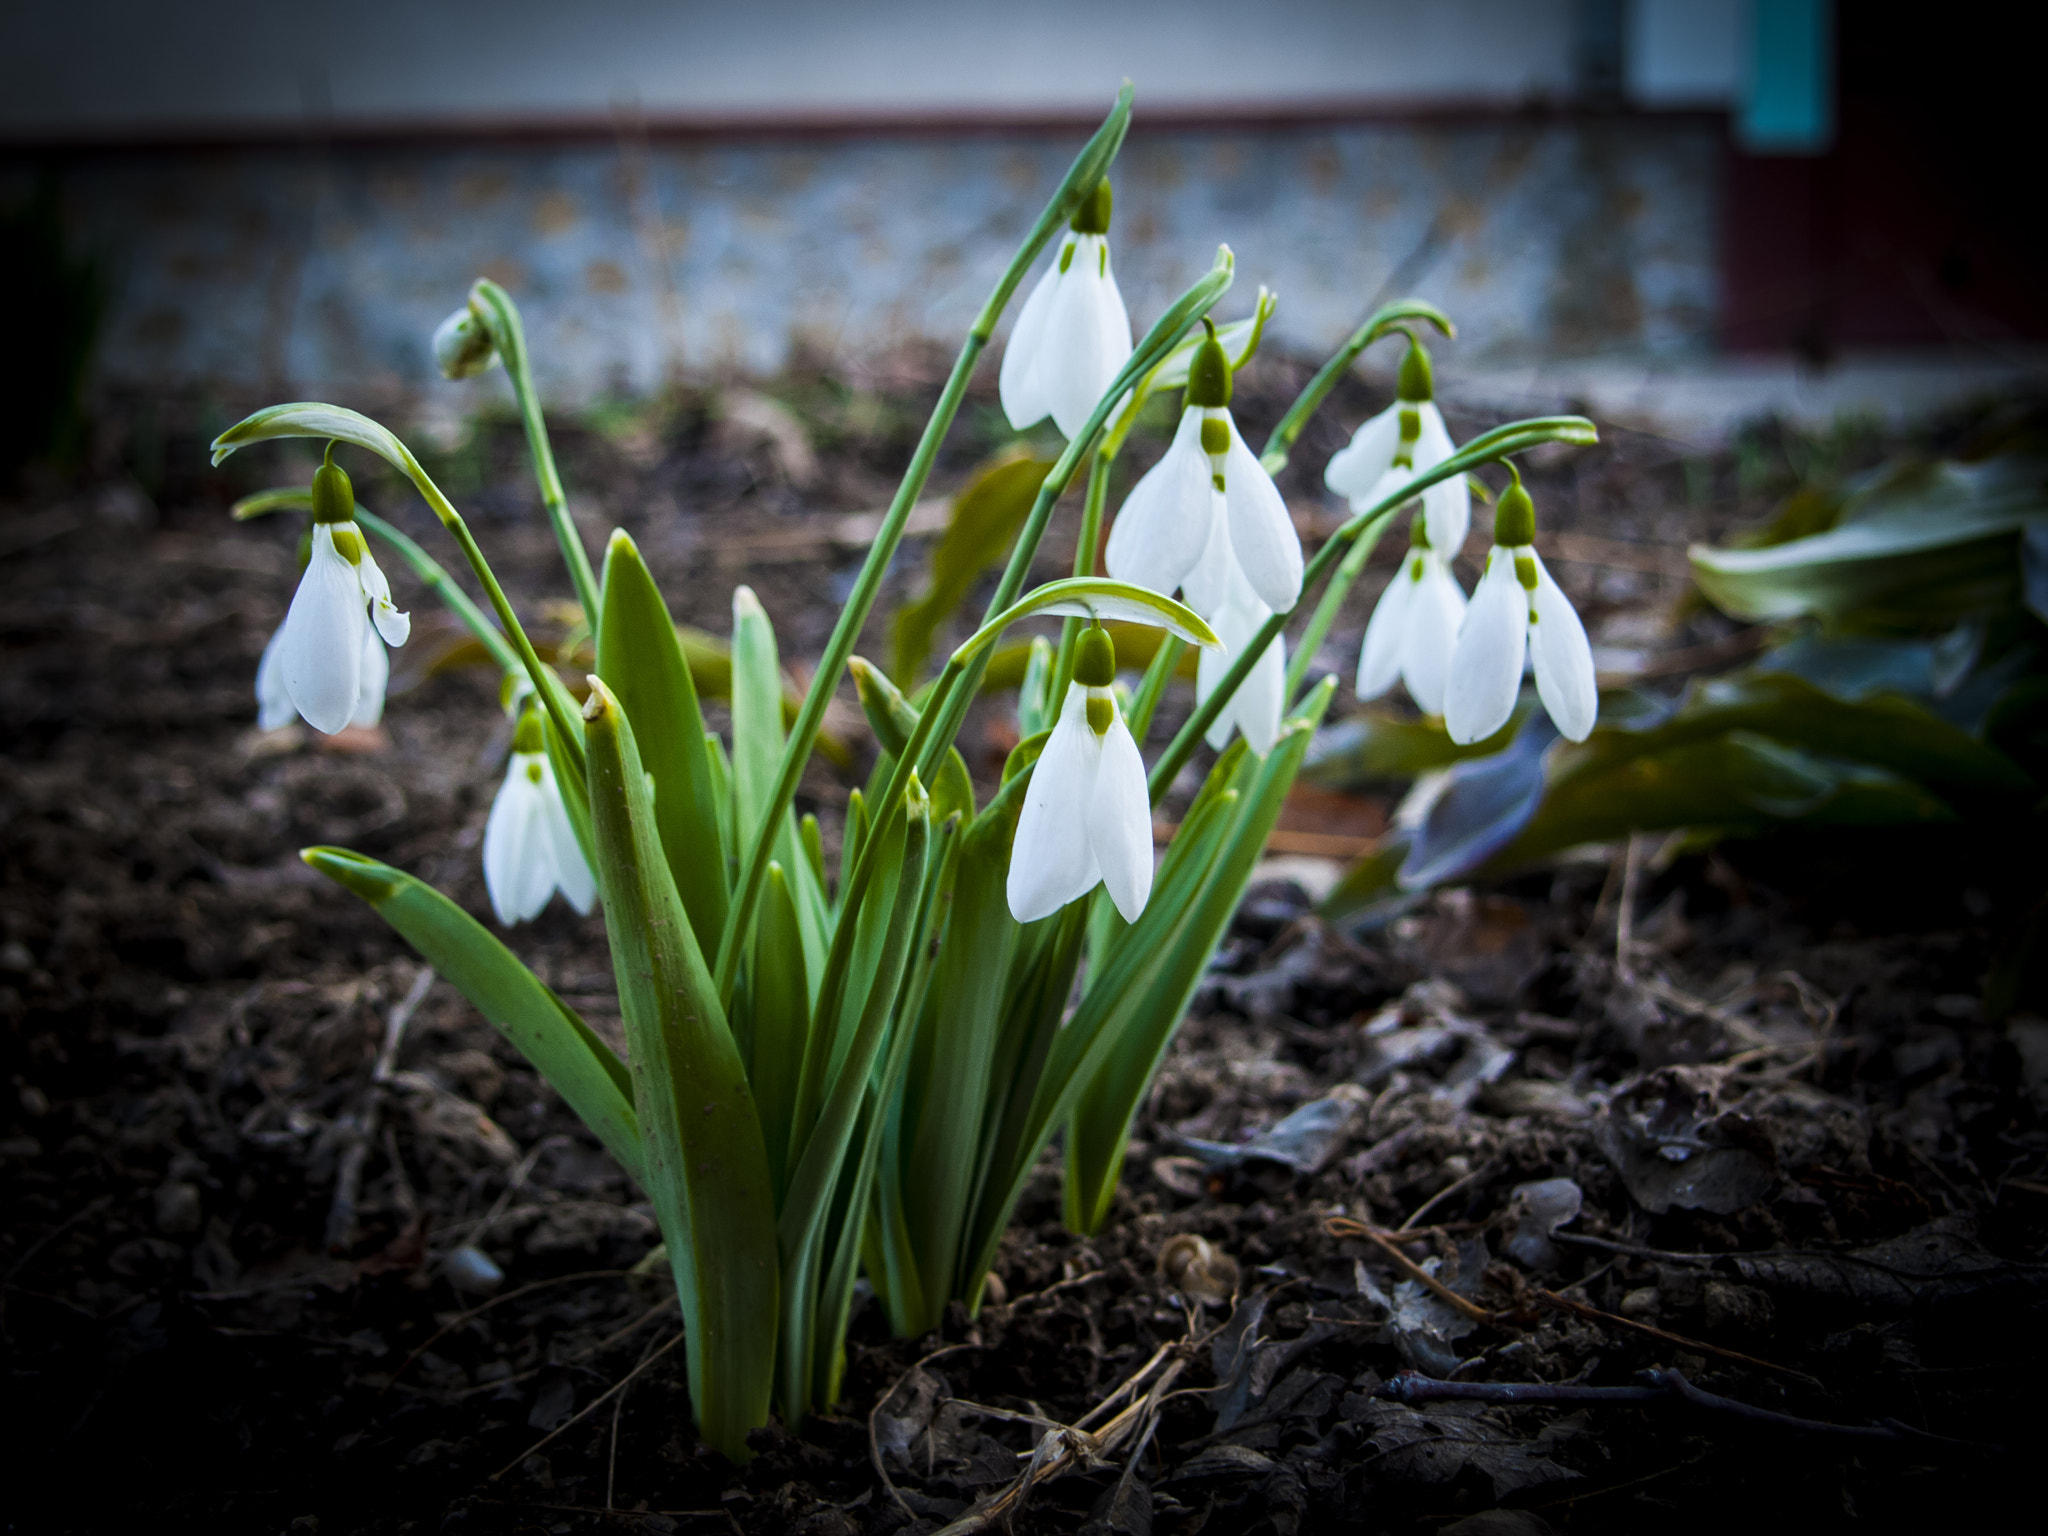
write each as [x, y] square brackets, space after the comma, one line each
[1691, 200]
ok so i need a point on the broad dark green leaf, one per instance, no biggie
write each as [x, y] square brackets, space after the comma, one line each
[706, 1166]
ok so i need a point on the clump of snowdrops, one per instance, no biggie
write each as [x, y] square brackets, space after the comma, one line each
[837, 1071]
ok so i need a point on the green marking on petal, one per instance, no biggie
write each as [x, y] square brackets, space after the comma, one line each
[348, 543]
[1101, 712]
[1525, 573]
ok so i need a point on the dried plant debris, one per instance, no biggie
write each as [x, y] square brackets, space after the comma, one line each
[1751, 1126]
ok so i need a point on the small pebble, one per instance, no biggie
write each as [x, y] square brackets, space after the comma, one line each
[469, 1268]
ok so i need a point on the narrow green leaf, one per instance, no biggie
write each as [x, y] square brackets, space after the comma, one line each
[563, 1049]
[707, 1168]
[641, 661]
[781, 1004]
[893, 719]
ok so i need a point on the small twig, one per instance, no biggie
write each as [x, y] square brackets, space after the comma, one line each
[874, 1441]
[1441, 1196]
[596, 1402]
[1344, 1226]
[93, 1208]
[1410, 1387]
[611, 1466]
[1581, 1309]
[362, 1127]
[1625, 921]
[477, 1311]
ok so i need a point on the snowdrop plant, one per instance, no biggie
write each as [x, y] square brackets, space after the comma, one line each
[1519, 616]
[838, 1071]
[1073, 333]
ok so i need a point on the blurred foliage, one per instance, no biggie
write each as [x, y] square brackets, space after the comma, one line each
[54, 303]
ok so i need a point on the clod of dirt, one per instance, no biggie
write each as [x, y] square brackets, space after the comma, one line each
[1674, 1145]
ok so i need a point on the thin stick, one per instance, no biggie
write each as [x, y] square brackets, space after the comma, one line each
[1581, 1309]
[1657, 1386]
[475, 1312]
[596, 1402]
[1441, 1196]
[1625, 921]
[611, 1466]
[1344, 1226]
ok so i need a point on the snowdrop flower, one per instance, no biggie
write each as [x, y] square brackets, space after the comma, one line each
[1404, 440]
[530, 850]
[1073, 335]
[1518, 610]
[1256, 706]
[321, 650]
[1414, 629]
[1175, 530]
[462, 345]
[1087, 816]
[274, 707]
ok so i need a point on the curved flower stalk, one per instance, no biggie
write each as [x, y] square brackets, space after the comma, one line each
[1087, 819]
[1256, 707]
[530, 850]
[324, 659]
[1408, 438]
[1173, 532]
[1073, 334]
[1519, 612]
[1414, 629]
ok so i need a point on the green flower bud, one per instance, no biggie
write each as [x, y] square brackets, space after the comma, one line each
[1514, 519]
[1418, 378]
[1209, 371]
[527, 737]
[1095, 658]
[1092, 217]
[462, 345]
[334, 499]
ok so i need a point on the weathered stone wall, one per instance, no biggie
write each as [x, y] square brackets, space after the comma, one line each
[321, 270]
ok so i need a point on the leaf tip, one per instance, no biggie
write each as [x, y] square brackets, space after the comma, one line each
[365, 877]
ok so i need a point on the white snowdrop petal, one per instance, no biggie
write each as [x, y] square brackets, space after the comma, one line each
[1119, 817]
[1163, 526]
[1023, 402]
[1435, 612]
[1379, 659]
[375, 679]
[1262, 535]
[320, 649]
[1260, 702]
[572, 870]
[1486, 665]
[509, 837]
[1356, 467]
[1206, 587]
[273, 700]
[1079, 354]
[1051, 860]
[1433, 442]
[1563, 659]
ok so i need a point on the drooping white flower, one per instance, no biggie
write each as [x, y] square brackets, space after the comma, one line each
[274, 707]
[462, 345]
[1413, 631]
[530, 850]
[1073, 333]
[1404, 440]
[1256, 707]
[1087, 816]
[1207, 507]
[1519, 614]
[320, 650]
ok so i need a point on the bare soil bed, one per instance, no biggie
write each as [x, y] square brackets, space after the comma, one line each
[1737, 1117]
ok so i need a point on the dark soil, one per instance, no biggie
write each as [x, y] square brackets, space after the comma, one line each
[225, 1257]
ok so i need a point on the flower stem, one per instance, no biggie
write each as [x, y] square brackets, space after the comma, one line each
[508, 334]
[1081, 180]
